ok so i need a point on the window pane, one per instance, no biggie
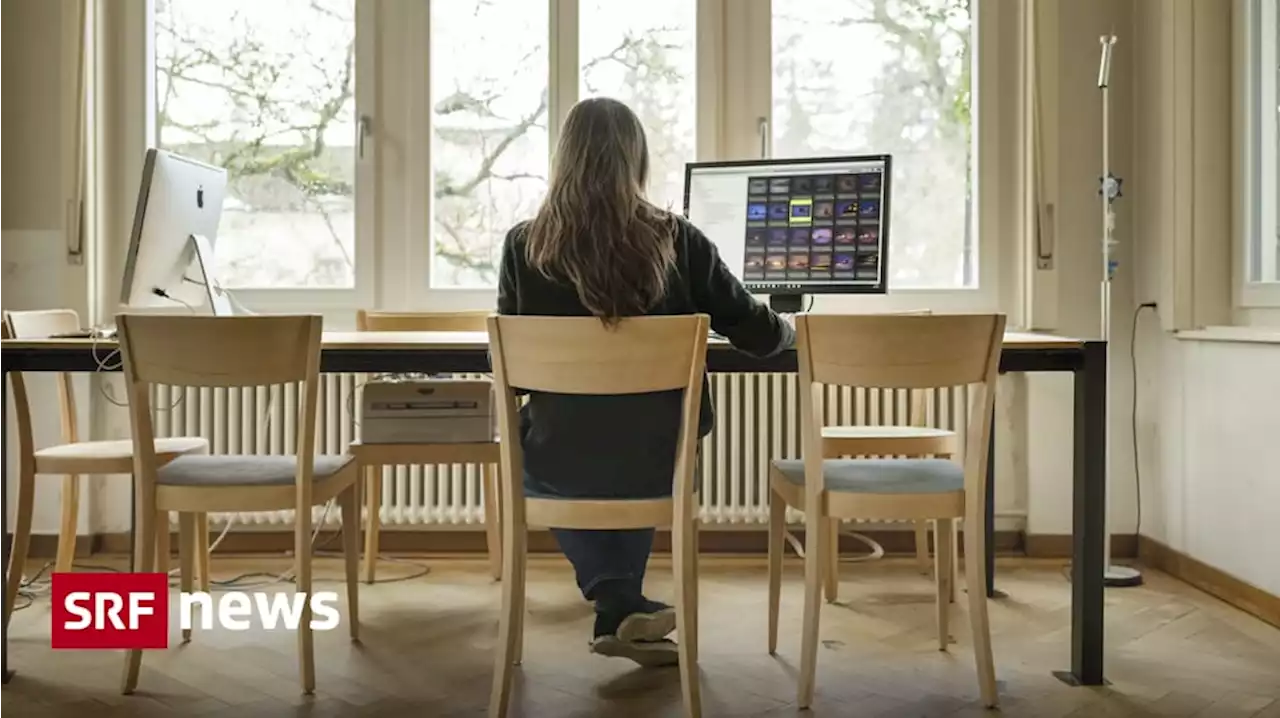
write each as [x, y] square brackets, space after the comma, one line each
[887, 76]
[643, 54]
[489, 131]
[267, 90]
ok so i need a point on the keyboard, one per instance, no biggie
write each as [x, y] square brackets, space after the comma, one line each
[95, 333]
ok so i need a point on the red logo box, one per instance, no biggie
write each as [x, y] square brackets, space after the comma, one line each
[111, 611]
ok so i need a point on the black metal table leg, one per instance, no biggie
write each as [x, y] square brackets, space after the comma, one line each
[990, 507]
[1088, 564]
[4, 517]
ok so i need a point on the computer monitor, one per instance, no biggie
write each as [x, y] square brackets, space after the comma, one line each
[791, 227]
[175, 226]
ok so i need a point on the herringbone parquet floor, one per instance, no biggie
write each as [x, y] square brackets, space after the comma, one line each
[427, 651]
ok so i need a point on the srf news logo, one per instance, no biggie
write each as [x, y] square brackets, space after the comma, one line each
[131, 610]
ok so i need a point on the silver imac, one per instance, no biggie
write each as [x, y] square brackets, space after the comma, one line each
[175, 226]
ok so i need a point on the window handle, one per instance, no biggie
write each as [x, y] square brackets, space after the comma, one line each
[762, 128]
[364, 128]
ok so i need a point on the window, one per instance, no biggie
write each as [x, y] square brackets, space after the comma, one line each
[643, 54]
[447, 110]
[1264, 241]
[489, 137]
[888, 77]
[267, 90]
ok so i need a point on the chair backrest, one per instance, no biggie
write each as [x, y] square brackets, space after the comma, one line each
[371, 321]
[220, 352]
[41, 324]
[580, 355]
[915, 351]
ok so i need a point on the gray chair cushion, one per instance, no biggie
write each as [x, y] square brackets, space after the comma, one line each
[243, 470]
[881, 476]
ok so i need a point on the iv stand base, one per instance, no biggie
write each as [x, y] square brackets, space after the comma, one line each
[1122, 577]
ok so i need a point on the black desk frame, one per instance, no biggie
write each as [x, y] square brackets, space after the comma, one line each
[1086, 361]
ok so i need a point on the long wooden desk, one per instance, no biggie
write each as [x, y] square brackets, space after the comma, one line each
[468, 352]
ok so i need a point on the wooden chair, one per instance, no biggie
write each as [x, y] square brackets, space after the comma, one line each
[912, 439]
[236, 352]
[889, 352]
[581, 356]
[71, 459]
[372, 457]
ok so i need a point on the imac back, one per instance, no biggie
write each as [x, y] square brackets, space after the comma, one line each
[178, 198]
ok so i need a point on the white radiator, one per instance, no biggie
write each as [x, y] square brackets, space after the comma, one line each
[756, 421]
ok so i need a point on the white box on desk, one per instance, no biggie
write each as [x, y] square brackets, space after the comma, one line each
[427, 411]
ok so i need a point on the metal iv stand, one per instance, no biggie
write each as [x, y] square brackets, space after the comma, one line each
[1116, 576]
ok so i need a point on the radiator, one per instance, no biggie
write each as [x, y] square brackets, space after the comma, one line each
[756, 421]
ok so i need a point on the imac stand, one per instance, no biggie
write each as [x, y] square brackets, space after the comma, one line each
[786, 303]
[219, 302]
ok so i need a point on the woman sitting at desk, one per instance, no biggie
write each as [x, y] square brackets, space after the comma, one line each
[598, 247]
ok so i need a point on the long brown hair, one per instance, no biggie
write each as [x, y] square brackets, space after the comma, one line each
[596, 230]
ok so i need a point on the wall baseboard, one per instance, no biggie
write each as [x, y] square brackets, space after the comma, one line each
[419, 541]
[1213, 581]
[1059, 546]
[454, 541]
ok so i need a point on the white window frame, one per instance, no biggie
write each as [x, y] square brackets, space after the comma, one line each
[393, 246]
[139, 132]
[1259, 149]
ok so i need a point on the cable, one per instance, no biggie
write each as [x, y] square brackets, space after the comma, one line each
[1133, 414]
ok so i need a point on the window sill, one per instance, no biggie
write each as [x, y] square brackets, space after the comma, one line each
[1246, 335]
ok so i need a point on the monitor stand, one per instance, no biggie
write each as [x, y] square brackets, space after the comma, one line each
[219, 303]
[786, 303]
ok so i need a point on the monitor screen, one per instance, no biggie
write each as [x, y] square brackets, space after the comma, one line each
[803, 226]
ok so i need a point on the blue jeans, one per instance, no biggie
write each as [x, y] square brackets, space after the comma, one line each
[609, 565]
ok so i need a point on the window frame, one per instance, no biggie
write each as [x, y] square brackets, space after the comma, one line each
[141, 132]
[1258, 153]
[734, 87]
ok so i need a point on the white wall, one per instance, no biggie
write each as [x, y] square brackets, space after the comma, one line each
[1208, 411]
[1209, 434]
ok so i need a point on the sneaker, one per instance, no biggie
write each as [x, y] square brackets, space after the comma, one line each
[650, 654]
[644, 621]
[652, 625]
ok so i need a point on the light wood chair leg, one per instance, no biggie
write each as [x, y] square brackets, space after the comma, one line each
[164, 549]
[684, 555]
[493, 518]
[350, 503]
[831, 558]
[510, 623]
[812, 605]
[187, 527]
[777, 544]
[302, 582]
[943, 573]
[975, 570]
[922, 546]
[202, 552]
[373, 522]
[144, 553]
[21, 539]
[67, 531]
